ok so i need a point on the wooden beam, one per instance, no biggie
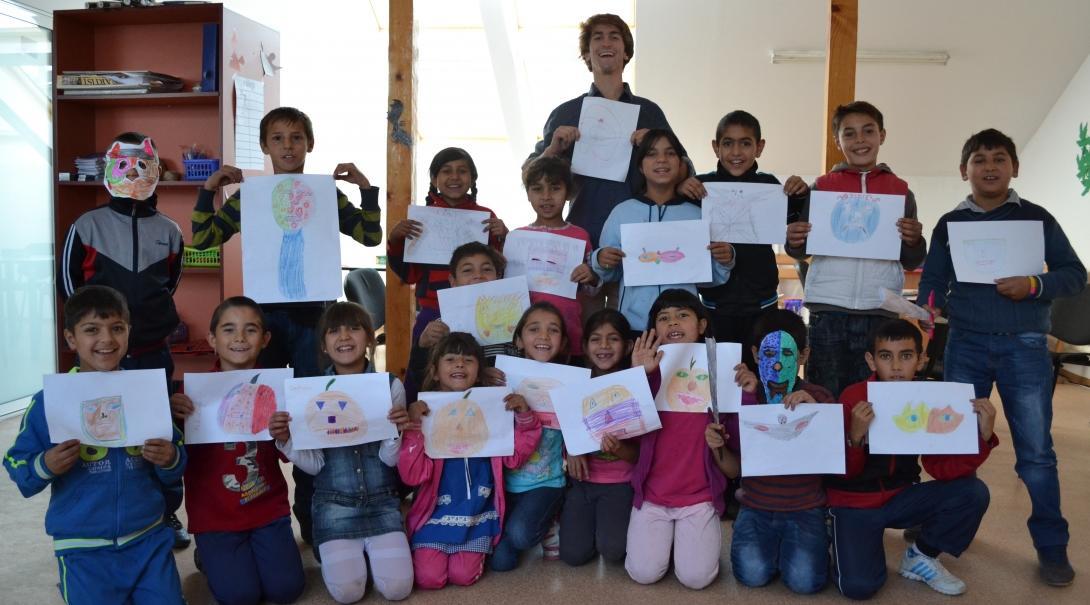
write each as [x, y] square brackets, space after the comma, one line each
[399, 177]
[840, 50]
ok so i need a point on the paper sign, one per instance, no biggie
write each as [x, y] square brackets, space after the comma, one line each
[618, 404]
[727, 356]
[984, 251]
[444, 229]
[489, 310]
[536, 381]
[233, 406]
[686, 382]
[473, 424]
[333, 411]
[604, 148]
[808, 440]
[546, 259]
[855, 225]
[108, 409]
[249, 109]
[290, 248]
[671, 252]
[746, 213]
[922, 418]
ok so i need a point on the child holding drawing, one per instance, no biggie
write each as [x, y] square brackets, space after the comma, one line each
[355, 513]
[459, 504]
[780, 527]
[238, 509]
[106, 504]
[598, 502]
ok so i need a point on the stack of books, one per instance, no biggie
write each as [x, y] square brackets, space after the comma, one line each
[116, 82]
[90, 167]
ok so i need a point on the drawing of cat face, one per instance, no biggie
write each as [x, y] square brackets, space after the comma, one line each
[460, 428]
[335, 414]
[536, 392]
[104, 419]
[497, 317]
[689, 389]
[131, 171]
[612, 411]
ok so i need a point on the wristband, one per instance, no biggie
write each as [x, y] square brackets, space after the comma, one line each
[1032, 285]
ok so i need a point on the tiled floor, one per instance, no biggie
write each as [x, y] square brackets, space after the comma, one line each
[1000, 567]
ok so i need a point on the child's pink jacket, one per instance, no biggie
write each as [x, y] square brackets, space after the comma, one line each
[419, 471]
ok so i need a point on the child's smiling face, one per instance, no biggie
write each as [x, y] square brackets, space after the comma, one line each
[662, 164]
[858, 138]
[238, 338]
[606, 348]
[100, 342]
[547, 199]
[473, 269]
[346, 346]
[989, 172]
[541, 338]
[457, 372]
[287, 146]
[454, 181]
[679, 325]
[737, 149]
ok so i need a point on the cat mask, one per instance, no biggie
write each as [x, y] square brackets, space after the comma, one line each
[122, 159]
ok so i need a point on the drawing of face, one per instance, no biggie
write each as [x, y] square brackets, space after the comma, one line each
[104, 419]
[131, 171]
[783, 430]
[912, 419]
[613, 411]
[689, 390]
[536, 392]
[335, 413]
[778, 365]
[292, 201]
[943, 420]
[855, 218]
[247, 407]
[497, 317]
[460, 428]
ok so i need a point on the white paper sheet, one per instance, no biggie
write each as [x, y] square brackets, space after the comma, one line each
[108, 409]
[489, 310]
[727, 355]
[536, 381]
[333, 411]
[233, 406]
[473, 424]
[746, 213]
[896, 303]
[618, 404]
[546, 259]
[444, 230]
[249, 109]
[604, 148]
[671, 252]
[806, 441]
[291, 251]
[686, 382]
[922, 417]
[855, 225]
[984, 251]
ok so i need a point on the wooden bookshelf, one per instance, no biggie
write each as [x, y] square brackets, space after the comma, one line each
[166, 39]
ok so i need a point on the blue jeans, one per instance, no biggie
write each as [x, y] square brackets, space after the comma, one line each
[1020, 366]
[948, 513]
[248, 567]
[838, 342]
[528, 516]
[793, 543]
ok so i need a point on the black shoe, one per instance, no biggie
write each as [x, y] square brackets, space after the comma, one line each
[1054, 568]
[181, 536]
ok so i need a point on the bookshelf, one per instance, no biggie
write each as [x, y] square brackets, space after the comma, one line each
[170, 40]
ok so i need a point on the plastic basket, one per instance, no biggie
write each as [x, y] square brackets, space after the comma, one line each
[192, 257]
[199, 170]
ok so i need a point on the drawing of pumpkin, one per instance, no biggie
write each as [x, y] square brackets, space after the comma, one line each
[247, 407]
[613, 411]
[944, 420]
[460, 428]
[335, 414]
[689, 390]
[912, 419]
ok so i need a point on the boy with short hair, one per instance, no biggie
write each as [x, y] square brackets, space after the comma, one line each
[844, 294]
[882, 490]
[780, 527]
[998, 332]
[106, 504]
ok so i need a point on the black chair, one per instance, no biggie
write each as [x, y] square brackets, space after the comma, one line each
[1070, 324]
[365, 286]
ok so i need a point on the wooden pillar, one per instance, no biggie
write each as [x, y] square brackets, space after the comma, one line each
[840, 51]
[399, 177]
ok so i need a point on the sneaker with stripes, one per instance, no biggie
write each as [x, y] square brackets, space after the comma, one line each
[917, 566]
[550, 545]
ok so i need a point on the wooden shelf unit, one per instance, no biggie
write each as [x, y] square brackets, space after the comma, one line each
[170, 40]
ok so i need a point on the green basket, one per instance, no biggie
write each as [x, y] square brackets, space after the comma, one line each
[192, 257]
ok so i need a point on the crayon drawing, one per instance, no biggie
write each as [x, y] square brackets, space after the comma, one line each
[104, 420]
[619, 404]
[537, 381]
[604, 148]
[546, 259]
[247, 407]
[984, 251]
[107, 409]
[783, 430]
[777, 441]
[291, 203]
[668, 252]
[474, 423]
[662, 256]
[442, 231]
[855, 225]
[497, 317]
[488, 310]
[689, 389]
[735, 223]
[986, 254]
[335, 414]
[922, 418]
[339, 411]
[613, 411]
[914, 418]
[745, 213]
[855, 218]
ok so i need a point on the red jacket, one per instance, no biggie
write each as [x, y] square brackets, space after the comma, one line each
[871, 480]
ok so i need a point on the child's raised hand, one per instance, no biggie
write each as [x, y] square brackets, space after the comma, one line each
[60, 458]
[495, 227]
[911, 230]
[493, 377]
[794, 399]
[417, 411]
[181, 406]
[349, 172]
[406, 228]
[610, 257]
[435, 331]
[862, 416]
[646, 351]
[278, 426]
[159, 452]
[399, 417]
[563, 138]
[1014, 288]
[637, 136]
[583, 274]
[745, 378]
[722, 252]
[796, 234]
[795, 186]
[577, 467]
[715, 435]
[227, 175]
[515, 403]
[985, 417]
[692, 188]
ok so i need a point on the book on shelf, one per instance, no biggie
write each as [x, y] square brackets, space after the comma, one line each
[116, 82]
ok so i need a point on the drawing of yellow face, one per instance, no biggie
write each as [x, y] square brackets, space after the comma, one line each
[336, 415]
[912, 419]
[689, 390]
[460, 428]
[497, 317]
[536, 392]
[613, 411]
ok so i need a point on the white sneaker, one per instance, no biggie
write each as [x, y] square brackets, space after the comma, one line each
[918, 566]
[550, 546]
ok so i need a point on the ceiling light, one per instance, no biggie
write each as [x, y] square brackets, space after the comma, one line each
[904, 57]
